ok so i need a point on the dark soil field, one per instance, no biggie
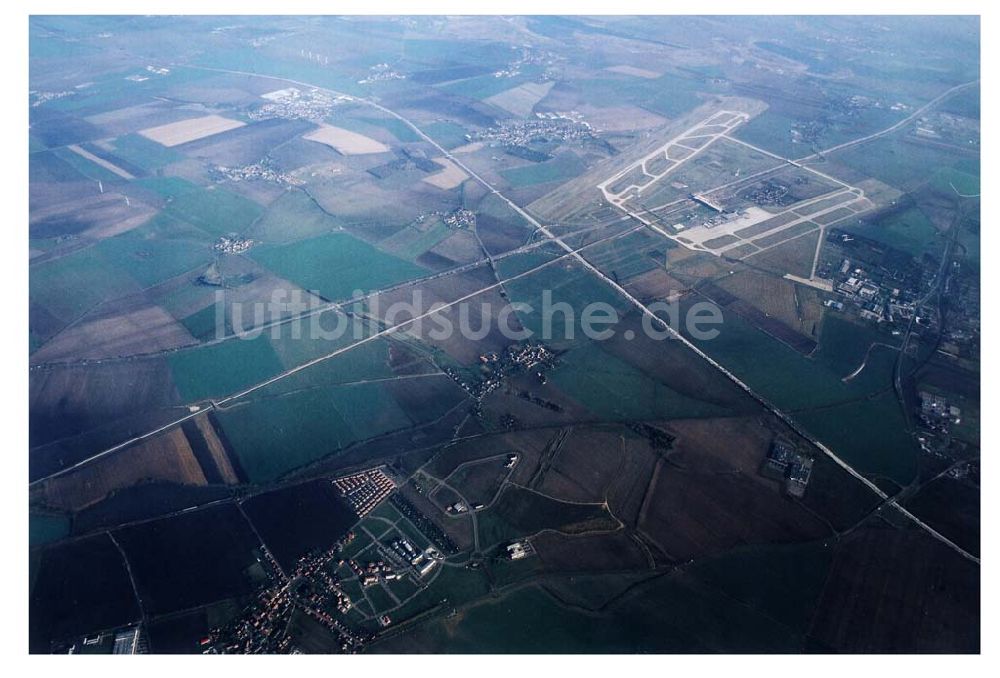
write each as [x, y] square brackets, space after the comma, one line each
[76, 588]
[76, 411]
[898, 591]
[951, 507]
[693, 514]
[182, 633]
[193, 559]
[299, 519]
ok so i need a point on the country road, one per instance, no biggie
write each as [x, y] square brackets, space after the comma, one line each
[889, 130]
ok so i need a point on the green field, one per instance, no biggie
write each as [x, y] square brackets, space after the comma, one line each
[43, 528]
[449, 134]
[626, 257]
[870, 434]
[202, 324]
[274, 434]
[336, 265]
[452, 584]
[613, 389]
[963, 177]
[366, 361]
[144, 153]
[251, 60]
[666, 614]
[812, 389]
[517, 264]
[293, 216]
[412, 241]
[222, 369]
[561, 168]
[843, 343]
[215, 210]
[669, 95]
[484, 86]
[896, 161]
[783, 581]
[380, 599]
[908, 230]
[574, 286]
[160, 249]
[786, 377]
[71, 285]
[396, 127]
[46, 166]
[772, 129]
[167, 187]
[520, 513]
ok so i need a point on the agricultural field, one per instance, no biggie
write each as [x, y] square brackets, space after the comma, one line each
[296, 520]
[520, 100]
[221, 369]
[307, 362]
[336, 265]
[293, 216]
[193, 559]
[177, 133]
[77, 587]
[345, 141]
[451, 176]
[561, 168]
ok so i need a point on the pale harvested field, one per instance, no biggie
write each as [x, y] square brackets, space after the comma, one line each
[448, 178]
[167, 457]
[345, 141]
[217, 450]
[632, 70]
[521, 100]
[468, 148]
[111, 167]
[141, 214]
[177, 133]
[624, 118]
[143, 331]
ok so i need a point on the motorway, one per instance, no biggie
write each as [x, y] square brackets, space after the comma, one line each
[575, 254]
